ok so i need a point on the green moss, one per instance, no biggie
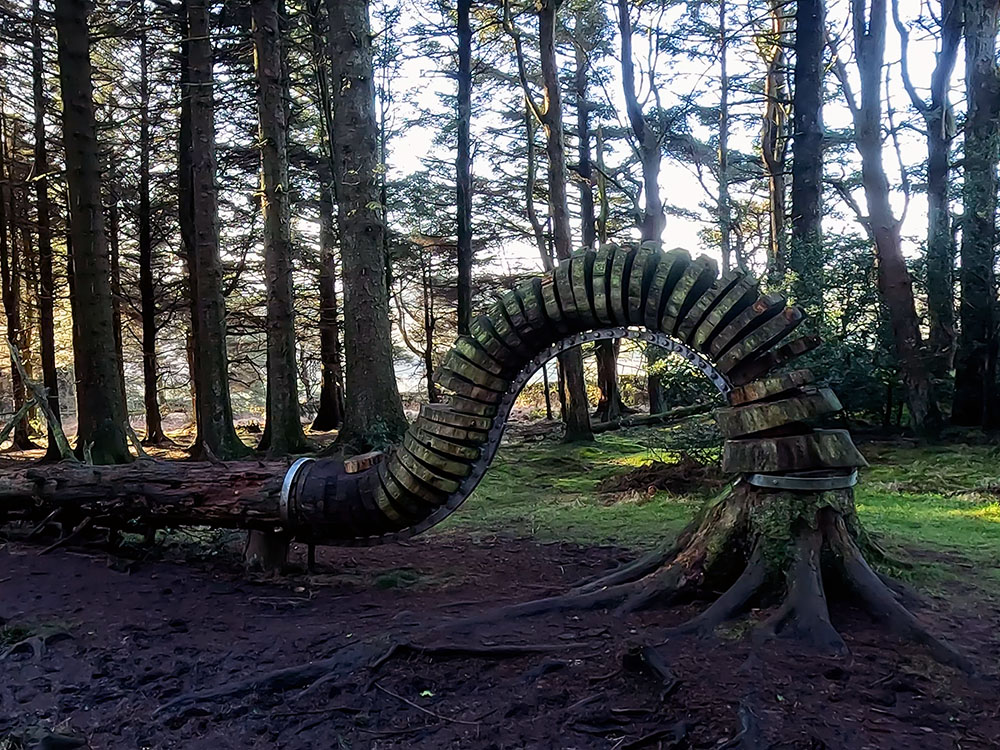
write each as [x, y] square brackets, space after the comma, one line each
[548, 490]
[942, 504]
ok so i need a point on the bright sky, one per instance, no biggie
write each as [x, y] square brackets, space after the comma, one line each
[678, 184]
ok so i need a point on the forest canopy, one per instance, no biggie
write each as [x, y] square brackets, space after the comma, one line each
[842, 151]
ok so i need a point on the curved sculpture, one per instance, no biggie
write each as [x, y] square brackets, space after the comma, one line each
[779, 532]
[722, 324]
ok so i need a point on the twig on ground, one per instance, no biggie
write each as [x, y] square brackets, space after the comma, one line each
[427, 711]
[69, 537]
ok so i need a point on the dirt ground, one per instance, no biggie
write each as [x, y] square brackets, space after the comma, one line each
[126, 638]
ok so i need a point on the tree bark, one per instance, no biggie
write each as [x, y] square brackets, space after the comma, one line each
[577, 414]
[774, 141]
[939, 132]
[283, 431]
[114, 249]
[609, 407]
[463, 166]
[101, 407]
[330, 414]
[215, 412]
[805, 251]
[653, 220]
[147, 291]
[185, 217]
[10, 277]
[374, 410]
[725, 202]
[235, 495]
[975, 401]
[46, 290]
[893, 276]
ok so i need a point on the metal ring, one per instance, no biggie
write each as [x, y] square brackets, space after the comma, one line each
[806, 483]
[286, 486]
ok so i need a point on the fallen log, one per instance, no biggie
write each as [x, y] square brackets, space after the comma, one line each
[671, 416]
[155, 493]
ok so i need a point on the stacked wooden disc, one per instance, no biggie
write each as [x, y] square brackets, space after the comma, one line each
[769, 428]
[724, 320]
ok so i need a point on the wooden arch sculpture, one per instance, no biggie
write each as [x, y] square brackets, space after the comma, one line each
[786, 523]
[784, 528]
[722, 325]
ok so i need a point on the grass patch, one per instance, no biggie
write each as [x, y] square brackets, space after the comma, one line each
[399, 578]
[942, 502]
[11, 634]
[548, 490]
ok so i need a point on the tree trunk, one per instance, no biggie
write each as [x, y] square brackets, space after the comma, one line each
[774, 141]
[10, 278]
[893, 276]
[147, 291]
[185, 219]
[235, 495]
[330, 414]
[577, 415]
[114, 248]
[609, 407]
[975, 401]
[46, 291]
[805, 251]
[374, 410]
[653, 220]
[463, 166]
[101, 412]
[725, 203]
[283, 431]
[215, 412]
[939, 132]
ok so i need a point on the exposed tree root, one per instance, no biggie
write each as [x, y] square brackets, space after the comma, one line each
[731, 603]
[762, 545]
[804, 611]
[880, 601]
[768, 545]
[632, 571]
[345, 663]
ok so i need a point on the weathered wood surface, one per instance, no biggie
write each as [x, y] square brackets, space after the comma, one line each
[769, 387]
[820, 449]
[355, 464]
[804, 406]
[242, 494]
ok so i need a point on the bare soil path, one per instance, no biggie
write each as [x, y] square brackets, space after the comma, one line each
[144, 633]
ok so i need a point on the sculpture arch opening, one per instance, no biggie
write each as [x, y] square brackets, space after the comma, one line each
[723, 325]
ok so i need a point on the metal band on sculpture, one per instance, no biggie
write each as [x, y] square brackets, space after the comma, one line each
[722, 325]
[804, 483]
[286, 487]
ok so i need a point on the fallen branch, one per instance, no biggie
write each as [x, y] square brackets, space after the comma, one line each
[40, 395]
[672, 416]
[69, 537]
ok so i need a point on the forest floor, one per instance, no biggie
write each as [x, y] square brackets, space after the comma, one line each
[118, 638]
